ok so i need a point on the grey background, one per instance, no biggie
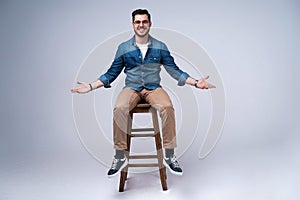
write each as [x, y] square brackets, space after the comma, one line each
[254, 45]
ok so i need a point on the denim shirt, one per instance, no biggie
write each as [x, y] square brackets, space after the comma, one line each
[142, 73]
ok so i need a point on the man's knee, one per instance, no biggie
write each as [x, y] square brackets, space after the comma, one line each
[121, 109]
[164, 108]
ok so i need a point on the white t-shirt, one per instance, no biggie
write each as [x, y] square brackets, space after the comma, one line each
[143, 48]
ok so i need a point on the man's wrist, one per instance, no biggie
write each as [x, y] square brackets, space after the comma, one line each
[195, 83]
[91, 87]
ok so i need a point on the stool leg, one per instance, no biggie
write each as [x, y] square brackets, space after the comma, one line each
[127, 156]
[122, 181]
[162, 168]
[129, 127]
[124, 172]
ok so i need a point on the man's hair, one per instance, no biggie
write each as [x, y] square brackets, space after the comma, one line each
[141, 12]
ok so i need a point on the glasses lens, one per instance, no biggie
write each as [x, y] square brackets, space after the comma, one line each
[143, 22]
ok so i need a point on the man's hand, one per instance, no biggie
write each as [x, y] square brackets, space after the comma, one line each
[82, 88]
[202, 84]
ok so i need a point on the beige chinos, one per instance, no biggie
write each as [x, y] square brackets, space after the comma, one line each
[157, 98]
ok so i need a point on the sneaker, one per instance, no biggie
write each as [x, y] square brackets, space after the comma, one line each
[117, 166]
[173, 166]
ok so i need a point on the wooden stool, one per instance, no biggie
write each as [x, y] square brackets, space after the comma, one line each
[144, 108]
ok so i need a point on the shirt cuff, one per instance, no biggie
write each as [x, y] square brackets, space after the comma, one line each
[105, 81]
[182, 79]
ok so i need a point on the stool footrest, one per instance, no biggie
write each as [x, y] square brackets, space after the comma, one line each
[142, 156]
[144, 165]
[142, 135]
[142, 129]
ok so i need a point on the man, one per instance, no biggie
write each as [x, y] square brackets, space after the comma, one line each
[141, 58]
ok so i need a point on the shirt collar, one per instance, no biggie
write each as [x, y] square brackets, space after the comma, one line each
[133, 43]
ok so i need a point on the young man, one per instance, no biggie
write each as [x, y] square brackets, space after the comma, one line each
[141, 57]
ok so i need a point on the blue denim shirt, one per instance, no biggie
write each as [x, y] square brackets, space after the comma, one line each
[142, 73]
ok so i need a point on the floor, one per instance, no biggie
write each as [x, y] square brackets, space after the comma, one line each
[258, 175]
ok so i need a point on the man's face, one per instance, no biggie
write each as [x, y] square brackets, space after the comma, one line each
[141, 25]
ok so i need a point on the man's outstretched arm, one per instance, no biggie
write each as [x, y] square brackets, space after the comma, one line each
[86, 87]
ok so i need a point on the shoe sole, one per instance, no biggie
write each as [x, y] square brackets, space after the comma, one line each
[169, 168]
[121, 168]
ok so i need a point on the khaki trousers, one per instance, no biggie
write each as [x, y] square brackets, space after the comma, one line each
[128, 99]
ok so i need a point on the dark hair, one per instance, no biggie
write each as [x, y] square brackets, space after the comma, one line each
[141, 12]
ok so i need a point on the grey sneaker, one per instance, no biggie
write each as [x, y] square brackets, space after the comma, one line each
[173, 166]
[116, 166]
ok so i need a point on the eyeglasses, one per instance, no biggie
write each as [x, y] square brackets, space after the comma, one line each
[137, 22]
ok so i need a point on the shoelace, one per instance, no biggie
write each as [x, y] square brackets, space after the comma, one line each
[114, 164]
[174, 162]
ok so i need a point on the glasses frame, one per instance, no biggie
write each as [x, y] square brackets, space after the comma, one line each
[138, 22]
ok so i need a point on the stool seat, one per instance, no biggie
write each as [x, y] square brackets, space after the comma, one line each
[144, 108]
